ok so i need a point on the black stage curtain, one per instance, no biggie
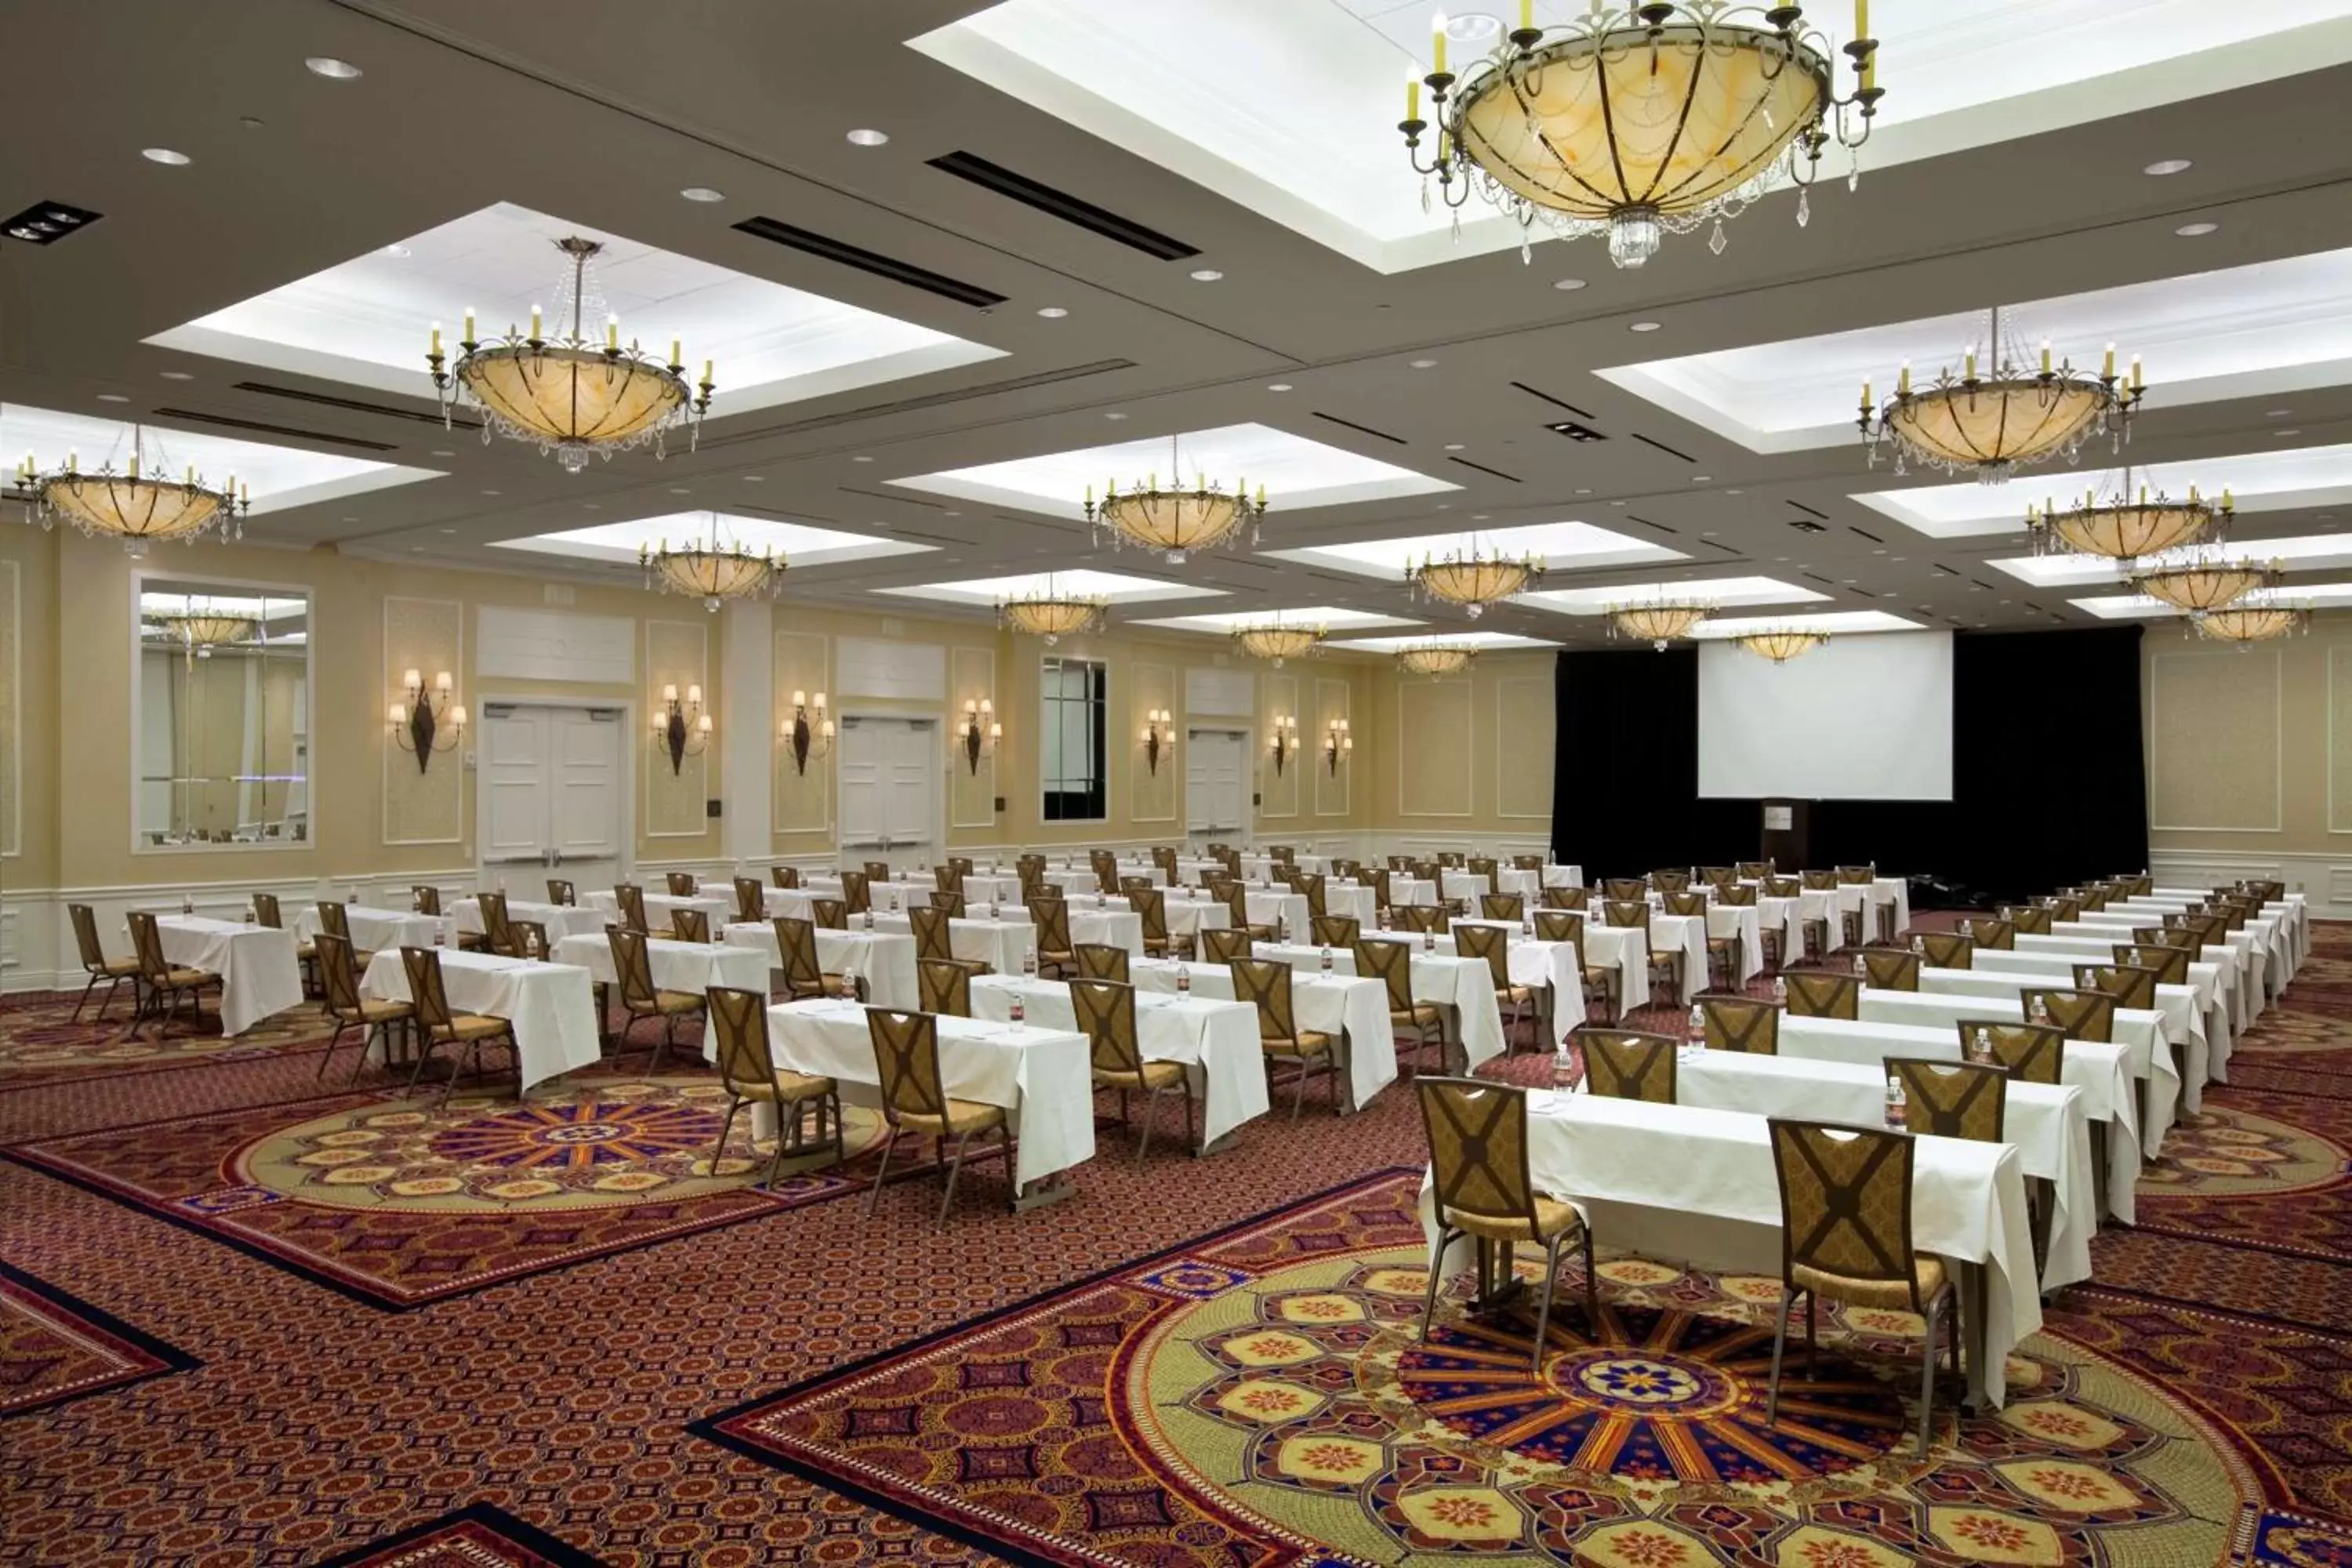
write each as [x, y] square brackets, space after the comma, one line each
[2048, 779]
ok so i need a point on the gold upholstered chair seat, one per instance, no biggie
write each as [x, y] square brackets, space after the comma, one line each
[1420, 1015]
[1894, 1295]
[1553, 1216]
[179, 978]
[787, 1088]
[1153, 1076]
[478, 1026]
[1515, 994]
[1304, 1045]
[963, 1117]
[670, 1003]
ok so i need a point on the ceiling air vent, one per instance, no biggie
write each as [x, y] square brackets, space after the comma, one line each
[1362, 429]
[1576, 432]
[1806, 525]
[1484, 469]
[1662, 446]
[1555, 401]
[356, 406]
[828, 248]
[46, 223]
[265, 428]
[1062, 204]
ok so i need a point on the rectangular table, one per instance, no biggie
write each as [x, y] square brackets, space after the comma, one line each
[883, 960]
[2209, 989]
[550, 1006]
[1001, 944]
[1551, 968]
[373, 930]
[1041, 1078]
[260, 976]
[694, 966]
[1698, 1186]
[1463, 988]
[715, 907]
[1330, 1005]
[1216, 1040]
[561, 920]
[2175, 1010]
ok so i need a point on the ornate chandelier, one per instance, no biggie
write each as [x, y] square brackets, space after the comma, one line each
[1052, 615]
[1639, 119]
[2201, 587]
[1278, 640]
[1436, 658]
[198, 629]
[714, 570]
[570, 395]
[139, 504]
[2126, 523]
[2006, 418]
[1781, 644]
[1656, 621]
[1473, 578]
[2247, 624]
[1176, 521]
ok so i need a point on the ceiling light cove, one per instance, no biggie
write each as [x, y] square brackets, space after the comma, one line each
[1561, 546]
[1110, 587]
[1497, 642]
[1834, 623]
[1718, 593]
[333, 68]
[807, 547]
[2255, 483]
[273, 479]
[1329, 617]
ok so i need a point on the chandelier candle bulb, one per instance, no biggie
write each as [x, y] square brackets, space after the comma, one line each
[1437, 42]
[537, 332]
[612, 334]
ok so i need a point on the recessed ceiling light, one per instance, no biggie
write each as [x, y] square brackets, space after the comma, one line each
[868, 138]
[2167, 166]
[443, 452]
[1114, 414]
[1569, 285]
[1701, 478]
[1454, 446]
[1477, 517]
[165, 155]
[680, 490]
[175, 375]
[593, 505]
[861, 457]
[702, 194]
[1424, 364]
[1278, 386]
[1206, 275]
[491, 492]
[2276, 412]
[1645, 326]
[448, 530]
[112, 397]
[1584, 490]
[2195, 230]
[331, 68]
[1052, 312]
[1735, 492]
[2276, 435]
[755, 478]
[416, 549]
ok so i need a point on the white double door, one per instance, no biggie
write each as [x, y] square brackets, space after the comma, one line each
[554, 796]
[1216, 798]
[891, 772]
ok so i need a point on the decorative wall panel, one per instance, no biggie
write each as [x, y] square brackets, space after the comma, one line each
[552, 645]
[677, 653]
[2213, 740]
[1433, 760]
[1225, 693]
[1151, 795]
[423, 806]
[804, 802]
[907, 671]
[971, 795]
[1333, 790]
[1524, 718]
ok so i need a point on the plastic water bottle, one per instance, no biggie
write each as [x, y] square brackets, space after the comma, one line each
[1029, 963]
[2040, 1008]
[1018, 1014]
[1183, 978]
[415, 903]
[1860, 968]
[1980, 1046]
[187, 903]
[1968, 928]
[869, 917]
[1429, 942]
[1897, 1112]
[1919, 942]
[1563, 1069]
[1326, 960]
[1779, 992]
[1380, 919]
[1695, 1032]
[440, 938]
[251, 918]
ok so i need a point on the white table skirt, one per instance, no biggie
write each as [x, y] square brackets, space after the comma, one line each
[1625, 949]
[550, 1006]
[1410, 890]
[561, 920]
[2175, 1012]
[1216, 1041]
[885, 960]
[260, 976]
[1464, 987]
[1189, 916]
[373, 930]
[1149, 872]
[1740, 920]
[1285, 910]
[1563, 876]
[1529, 885]
[1113, 927]
[1001, 944]
[1464, 886]
[1074, 879]
[659, 907]
[2045, 1121]
[1551, 967]
[2211, 988]
[1043, 1078]
[695, 966]
[1697, 1185]
[1328, 1004]
[1353, 900]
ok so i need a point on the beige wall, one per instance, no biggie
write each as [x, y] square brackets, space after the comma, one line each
[28, 710]
[1464, 756]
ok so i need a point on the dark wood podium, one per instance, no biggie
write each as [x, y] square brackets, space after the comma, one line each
[1786, 834]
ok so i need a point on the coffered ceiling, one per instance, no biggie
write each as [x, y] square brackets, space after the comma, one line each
[928, 347]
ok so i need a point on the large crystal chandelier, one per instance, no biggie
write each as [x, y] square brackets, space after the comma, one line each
[1176, 521]
[1052, 615]
[1781, 644]
[1639, 119]
[1996, 416]
[1278, 640]
[139, 504]
[2248, 623]
[1436, 658]
[1473, 578]
[2128, 521]
[2198, 588]
[200, 627]
[570, 395]
[1656, 621]
[714, 569]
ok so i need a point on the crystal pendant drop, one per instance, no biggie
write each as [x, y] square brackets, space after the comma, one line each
[1633, 236]
[1716, 242]
[1424, 195]
[1804, 207]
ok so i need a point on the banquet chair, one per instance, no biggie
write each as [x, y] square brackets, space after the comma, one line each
[2065, 910]
[950, 902]
[464, 1033]
[689, 925]
[2030, 919]
[931, 939]
[681, 884]
[1421, 917]
[1502, 907]
[1890, 968]
[1223, 944]
[1754, 870]
[162, 981]
[1629, 1064]
[2095, 899]
[640, 998]
[1311, 885]
[1857, 876]
[785, 875]
[1599, 981]
[1951, 1099]
[751, 901]
[2082, 1015]
[2131, 984]
[1631, 914]
[1728, 950]
[1567, 898]
[1819, 881]
[1683, 903]
[1745, 1024]
[2169, 963]
[876, 872]
[1719, 876]
[856, 893]
[748, 1070]
[335, 921]
[1492, 944]
[1994, 934]
[96, 964]
[1106, 1016]
[1483, 866]
[829, 914]
[1102, 961]
[943, 987]
[562, 893]
[1265, 985]
[1671, 881]
[1051, 915]
[339, 982]
[530, 939]
[915, 1100]
[1131, 884]
[1845, 1233]
[1237, 910]
[1164, 856]
[1106, 869]
[425, 899]
[1337, 931]
[1781, 886]
[1483, 1190]
[947, 879]
[627, 897]
[963, 865]
[1449, 859]
[1377, 878]
[1151, 905]
[1623, 888]
[2032, 1053]
[1526, 862]
[1945, 949]
[266, 911]
[804, 976]
[1823, 994]
[497, 929]
[1391, 964]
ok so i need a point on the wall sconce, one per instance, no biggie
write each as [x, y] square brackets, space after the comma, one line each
[1338, 744]
[681, 730]
[425, 723]
[981, 730]
[1283, 741]
[802, 738]
[1157, 737]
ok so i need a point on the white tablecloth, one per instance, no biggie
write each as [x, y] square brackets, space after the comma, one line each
[1189, 916]
[1744, 921]
[1043, 1078]
[1117, 926]
[886, 959]
[1001, 944]
[719, 909]
[1282, 909]
[1625, 949]
[1464, 886]
[2211, 991]
[561, 920]
[1549, 966]
[1404, 889]
[2175, 1012]
[1216, 1041]
[1464, 987]
[1075, 879]
[549, 1004]
[695, 966]
[1330, 1006]
[2046, 1122]
[259, 975]
[373, 930]
[1697, 1185]
[1563, 876]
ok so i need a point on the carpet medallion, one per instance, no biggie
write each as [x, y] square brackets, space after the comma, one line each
[53, 1347]
[39, 1044]
[2226, 1149]
[1263, 1397]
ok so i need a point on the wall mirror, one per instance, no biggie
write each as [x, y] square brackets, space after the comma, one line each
[1070, 732]
[221, 752]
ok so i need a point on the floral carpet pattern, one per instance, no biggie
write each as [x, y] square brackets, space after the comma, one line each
[476, 1537]
[54, 1347]
[40, 1043]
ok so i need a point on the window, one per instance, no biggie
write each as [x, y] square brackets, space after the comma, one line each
[1070, 763]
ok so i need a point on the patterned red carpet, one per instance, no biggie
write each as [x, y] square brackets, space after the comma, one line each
[251, 1316]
